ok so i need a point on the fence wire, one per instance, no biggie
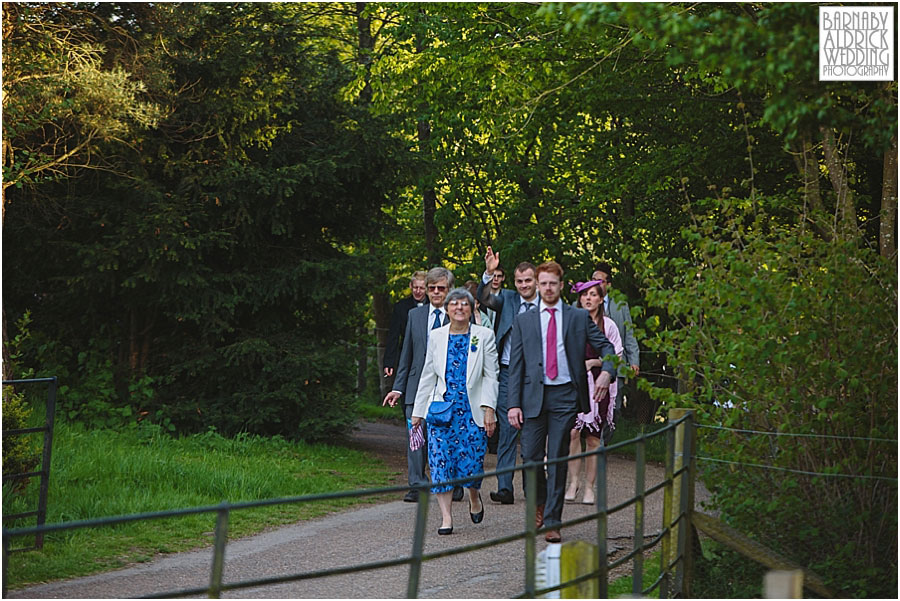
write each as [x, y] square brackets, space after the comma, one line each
[798, 435]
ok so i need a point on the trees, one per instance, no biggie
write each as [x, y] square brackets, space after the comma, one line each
[215, 285]
[226, 254]
[782, 315]
[64, 96]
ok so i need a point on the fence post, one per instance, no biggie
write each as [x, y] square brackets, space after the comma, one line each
[218, 565]
[602, 525]
[415, 566]
[783, 584]
[577, 558]
[667, 556]
[683, 496]
[530, 474]
[5, 562]
[49, 418]
[637, 572]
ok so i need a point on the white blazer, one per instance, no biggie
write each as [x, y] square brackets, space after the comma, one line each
[481, 372]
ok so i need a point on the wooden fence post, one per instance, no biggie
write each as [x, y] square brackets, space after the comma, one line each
[683, 498]
[783, 584]
[576, 559]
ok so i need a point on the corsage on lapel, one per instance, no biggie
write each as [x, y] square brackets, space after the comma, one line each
[474, 345]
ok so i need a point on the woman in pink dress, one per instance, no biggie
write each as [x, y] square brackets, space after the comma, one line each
[591, 425]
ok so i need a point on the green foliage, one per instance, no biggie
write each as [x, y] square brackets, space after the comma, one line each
[20, 452]
[61, 98]
[779, 331]
[217, 284]
[720, 573]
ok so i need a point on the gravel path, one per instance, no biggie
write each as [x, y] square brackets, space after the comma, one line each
[374, 533]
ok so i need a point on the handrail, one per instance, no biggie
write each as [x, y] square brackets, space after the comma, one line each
[417, 555]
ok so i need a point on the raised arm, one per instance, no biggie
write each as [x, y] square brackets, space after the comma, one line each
[491, 301]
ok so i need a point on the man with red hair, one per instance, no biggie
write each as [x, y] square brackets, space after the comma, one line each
[548, 385]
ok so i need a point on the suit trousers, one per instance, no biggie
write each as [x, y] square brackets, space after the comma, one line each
[551, 430]
[506, 442]
[415, 460]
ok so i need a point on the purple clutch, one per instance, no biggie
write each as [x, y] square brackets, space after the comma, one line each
[416, 438]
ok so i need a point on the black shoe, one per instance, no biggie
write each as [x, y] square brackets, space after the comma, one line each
[503, 496]
[444, 531]
[477, 517]
[412, 496]
[457, 493]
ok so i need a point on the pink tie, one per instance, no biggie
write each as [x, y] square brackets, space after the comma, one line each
[552, 365]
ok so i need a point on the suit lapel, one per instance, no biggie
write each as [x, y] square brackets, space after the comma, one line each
[473, 355]
[424, 323]
[536, 320]
[442, 336]
[568, 316]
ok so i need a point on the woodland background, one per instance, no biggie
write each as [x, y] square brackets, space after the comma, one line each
[208, 210]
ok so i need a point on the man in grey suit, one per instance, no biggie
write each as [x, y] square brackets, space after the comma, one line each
[620, 313]
[548, 386]
[419, 323]
[507, 305]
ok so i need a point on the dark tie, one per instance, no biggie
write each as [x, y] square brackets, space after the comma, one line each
[552, 361]
[437, 319]
[526, 306]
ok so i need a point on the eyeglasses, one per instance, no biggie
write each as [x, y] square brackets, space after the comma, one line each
[458, 303]
[437, 288]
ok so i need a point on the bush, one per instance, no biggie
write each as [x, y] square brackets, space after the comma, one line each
[779, 331]
[20, 453]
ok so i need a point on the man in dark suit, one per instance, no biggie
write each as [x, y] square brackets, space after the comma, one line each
[507, 304]
[419, 323]
[548, 385]
[398, 321]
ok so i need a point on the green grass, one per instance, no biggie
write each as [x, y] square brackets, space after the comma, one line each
[101, 473]
[621, 587]
[373, 411]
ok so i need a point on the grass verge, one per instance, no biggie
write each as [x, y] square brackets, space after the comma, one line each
[100, 473]
[622, 587]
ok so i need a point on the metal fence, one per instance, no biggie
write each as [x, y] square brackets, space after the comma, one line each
[44, 473]
[673, 536]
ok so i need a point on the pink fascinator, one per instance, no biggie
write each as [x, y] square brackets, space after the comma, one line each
[579, 287]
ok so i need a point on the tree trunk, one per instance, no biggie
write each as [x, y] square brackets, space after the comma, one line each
[845, 211]
[887, 241]
[429, 196]
[7, 368]
[362, 354]
[381, 305]
[380, 300]
[365, 51]
[808, 165]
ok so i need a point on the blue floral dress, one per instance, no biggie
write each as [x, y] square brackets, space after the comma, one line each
[457, 450]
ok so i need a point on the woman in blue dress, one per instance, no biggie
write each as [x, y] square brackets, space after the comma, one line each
[461, 369]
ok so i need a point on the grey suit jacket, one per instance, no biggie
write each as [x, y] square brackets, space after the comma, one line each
[621, 314]
[412, 355]
[506, 304]
[526, 358]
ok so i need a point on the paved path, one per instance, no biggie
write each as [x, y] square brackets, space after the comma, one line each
[369, 534]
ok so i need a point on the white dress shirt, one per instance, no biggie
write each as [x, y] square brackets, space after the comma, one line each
[562, 375]
[504, 354]
[431, 309]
